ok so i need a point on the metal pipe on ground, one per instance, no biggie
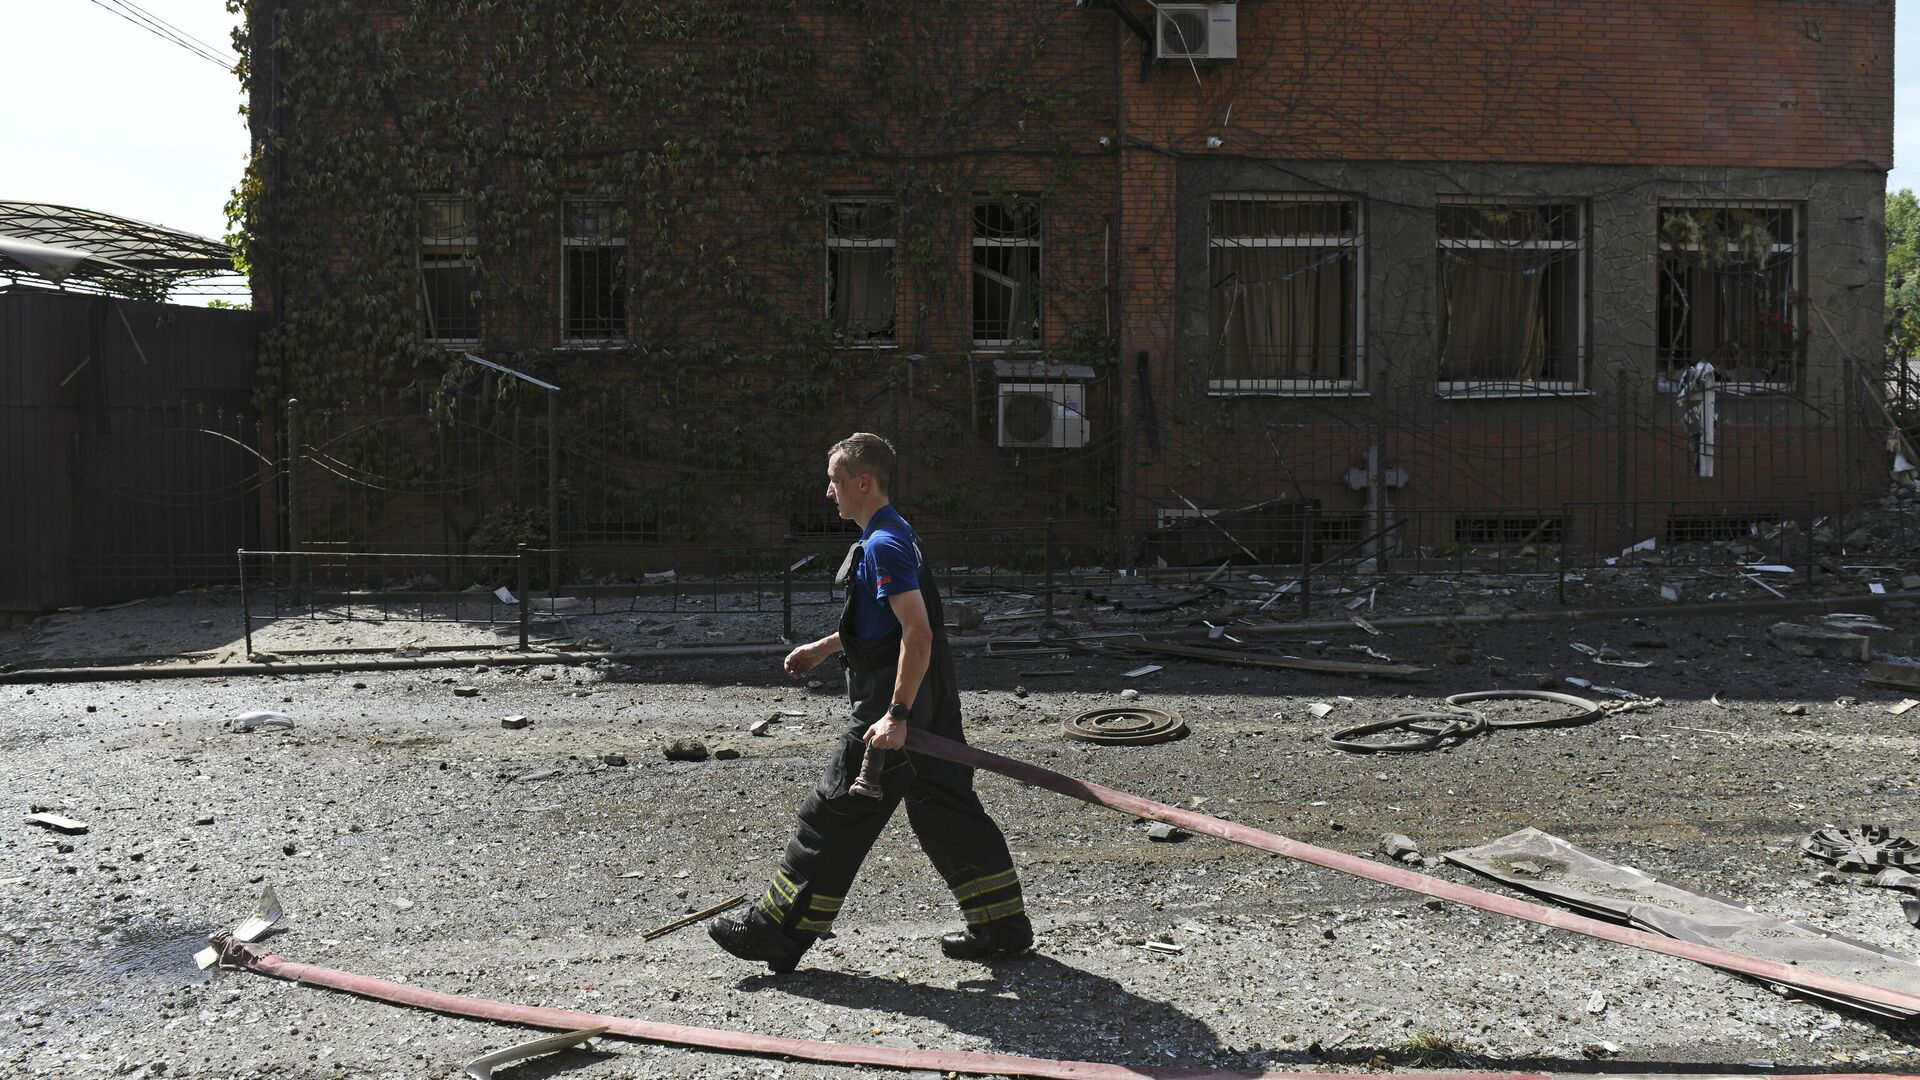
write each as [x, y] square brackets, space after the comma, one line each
[1866, 601]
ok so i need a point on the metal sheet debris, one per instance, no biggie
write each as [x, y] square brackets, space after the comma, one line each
[1144, 669]
[266, 912]
[1552, 867]
[1902, 706]
[58, 823]
[481, 1068]
[1320, 709]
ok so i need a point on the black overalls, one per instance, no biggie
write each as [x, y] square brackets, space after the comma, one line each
[837, 829]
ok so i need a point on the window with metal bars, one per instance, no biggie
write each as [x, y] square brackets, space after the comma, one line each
[593, 284]
[1284, 283]
[1006, 274]
[1512, 278]
[860, 246]
[1730, 292]
[449, 273]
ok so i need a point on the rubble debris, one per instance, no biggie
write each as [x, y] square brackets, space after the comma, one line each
[686, 750]
[1158, 945]
[58, 823]
[515, 722]
[1400, 847]
[255, 719]
[1893, 675]
[725, 753]
[466, 691]
[1161, 832]
[1861, 847]
[505, 596]
[1320, 709]
[1127, 726]
[481, 1068]
[1129, 694]
[759, 727]
[616, 761]
[1821, 641]
[1596, 1003]
[1902, 705]
[704, 913]
[1591, 884]
[1365, 625]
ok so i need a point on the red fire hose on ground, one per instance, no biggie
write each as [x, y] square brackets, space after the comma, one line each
[240, 954]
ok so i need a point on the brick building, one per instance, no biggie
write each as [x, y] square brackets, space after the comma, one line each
[1436, 270]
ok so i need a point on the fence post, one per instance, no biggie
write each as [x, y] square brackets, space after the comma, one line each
[1810, 530]
[553, 492]
[1046, 627]
[1566, 519]
[520, 564]
[246, 606]
[293, 491]
[1306, 559]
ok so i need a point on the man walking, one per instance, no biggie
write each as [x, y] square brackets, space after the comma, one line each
[899, 673]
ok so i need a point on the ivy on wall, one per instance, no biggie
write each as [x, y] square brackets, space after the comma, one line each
[719, 128]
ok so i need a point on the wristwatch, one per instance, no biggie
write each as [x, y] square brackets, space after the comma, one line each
[903, 713]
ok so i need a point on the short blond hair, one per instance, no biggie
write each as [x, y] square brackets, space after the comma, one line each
[865, 452]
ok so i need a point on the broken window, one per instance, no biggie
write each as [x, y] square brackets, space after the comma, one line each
[593, 285]
[1284, 292]
[1510, 289]
[449, 274]
[1006, 273]
[860, 243]
[1729, 291]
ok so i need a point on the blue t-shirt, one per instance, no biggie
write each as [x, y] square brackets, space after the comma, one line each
[890, 566]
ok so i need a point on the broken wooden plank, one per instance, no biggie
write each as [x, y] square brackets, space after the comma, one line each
[1288, 663]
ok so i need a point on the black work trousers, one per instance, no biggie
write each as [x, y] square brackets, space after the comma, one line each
[837, 829]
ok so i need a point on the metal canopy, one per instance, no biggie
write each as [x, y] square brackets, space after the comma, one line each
[88, 250]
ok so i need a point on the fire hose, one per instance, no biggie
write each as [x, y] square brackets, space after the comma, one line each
[240, 954]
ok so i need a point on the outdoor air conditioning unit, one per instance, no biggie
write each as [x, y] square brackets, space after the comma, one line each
[1043, 415]
[1196, 31]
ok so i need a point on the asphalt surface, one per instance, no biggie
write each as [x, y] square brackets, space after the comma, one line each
[411, 836]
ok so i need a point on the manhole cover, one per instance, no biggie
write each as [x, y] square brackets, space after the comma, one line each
[1861, 847]
[1131, 725]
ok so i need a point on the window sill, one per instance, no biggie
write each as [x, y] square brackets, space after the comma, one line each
[1003, 347]
[597, 345]
[871, 346]
[1481, 391]
[1281, 388]
[453, 343]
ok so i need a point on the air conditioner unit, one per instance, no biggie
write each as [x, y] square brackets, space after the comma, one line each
[1196, 31]
[1043, 415]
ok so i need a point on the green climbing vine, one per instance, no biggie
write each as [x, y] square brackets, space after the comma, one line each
[717, 129]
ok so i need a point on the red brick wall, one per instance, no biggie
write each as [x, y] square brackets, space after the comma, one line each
[1704, 82]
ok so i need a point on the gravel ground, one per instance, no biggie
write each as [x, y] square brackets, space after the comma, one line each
[411, 837]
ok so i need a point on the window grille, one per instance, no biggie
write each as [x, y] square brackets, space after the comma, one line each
[1284, 293]
[593, 287]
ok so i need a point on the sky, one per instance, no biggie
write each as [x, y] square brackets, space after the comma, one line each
[107, 116]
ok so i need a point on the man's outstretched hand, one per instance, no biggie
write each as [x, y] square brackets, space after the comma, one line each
[805, 658]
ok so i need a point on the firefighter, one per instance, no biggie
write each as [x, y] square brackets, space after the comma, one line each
[899, 673]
